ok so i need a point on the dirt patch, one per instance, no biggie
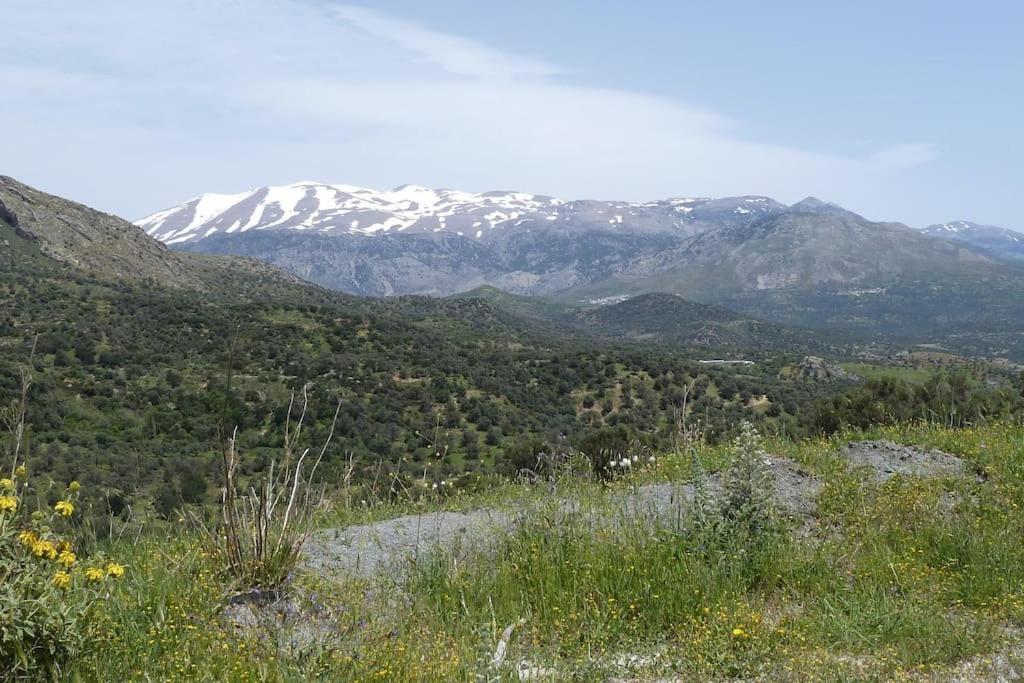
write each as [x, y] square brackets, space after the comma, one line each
[886, 459]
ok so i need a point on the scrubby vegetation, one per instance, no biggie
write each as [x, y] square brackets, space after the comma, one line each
[164, 480]
[954, 399]
[130, 386]
[894, 578]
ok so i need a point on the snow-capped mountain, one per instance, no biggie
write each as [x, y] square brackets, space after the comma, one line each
[414, 240]
[325, 209]
[993, 239]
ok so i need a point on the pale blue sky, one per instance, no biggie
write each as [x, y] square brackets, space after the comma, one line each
[899, 110]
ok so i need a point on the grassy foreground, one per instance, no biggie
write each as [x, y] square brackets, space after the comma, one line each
[898, 580]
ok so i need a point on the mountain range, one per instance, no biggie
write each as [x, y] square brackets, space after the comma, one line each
[744, 272]
[812, 264]
[47, 236]
[999, 242]
[414, 240]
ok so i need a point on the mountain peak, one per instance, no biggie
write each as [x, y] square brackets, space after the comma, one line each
[815, 205]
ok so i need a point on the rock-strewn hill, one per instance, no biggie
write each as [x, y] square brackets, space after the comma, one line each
[75, 235]
[46, 229]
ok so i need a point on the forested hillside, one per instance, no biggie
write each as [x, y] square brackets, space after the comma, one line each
[130, 382]
[131, 388]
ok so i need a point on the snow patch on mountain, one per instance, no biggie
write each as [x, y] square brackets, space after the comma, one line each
[349, 210]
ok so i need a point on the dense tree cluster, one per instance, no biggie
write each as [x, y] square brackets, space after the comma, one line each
[951, 398]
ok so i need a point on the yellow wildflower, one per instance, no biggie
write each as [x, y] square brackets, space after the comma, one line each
[27, 538]
[6, 485]
[64, 508]
[74, 486]
[67, 558]
[738, 632]
[43, 548]
[94, 574]
[116, 570]
[8, 503]
[62, 579]
[20, 472]
[64, 546]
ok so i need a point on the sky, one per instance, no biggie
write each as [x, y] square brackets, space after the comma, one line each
[907, 111]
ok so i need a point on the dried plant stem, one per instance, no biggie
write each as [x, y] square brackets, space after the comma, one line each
[15, 416]
[265, 528]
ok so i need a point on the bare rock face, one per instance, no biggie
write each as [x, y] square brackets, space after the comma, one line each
[888, 459]
[821, 370]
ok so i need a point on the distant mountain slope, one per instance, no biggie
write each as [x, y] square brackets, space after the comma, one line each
[532, 307]
[662, 319]
[811, 245]
[997, 241]
[667, 318]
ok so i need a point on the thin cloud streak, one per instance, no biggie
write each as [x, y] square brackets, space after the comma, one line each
[454, 54]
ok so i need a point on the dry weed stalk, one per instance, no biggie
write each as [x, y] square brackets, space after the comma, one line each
[15, 415]
[265, 527]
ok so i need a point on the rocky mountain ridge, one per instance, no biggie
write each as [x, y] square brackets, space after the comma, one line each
[326, 209]
[997, 241]
[67, 234]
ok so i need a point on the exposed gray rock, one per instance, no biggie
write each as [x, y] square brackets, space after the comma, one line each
[394, 545]
[886, 459]
[287, 619]
[821, 370]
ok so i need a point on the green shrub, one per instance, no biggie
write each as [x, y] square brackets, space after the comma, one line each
[45, 592]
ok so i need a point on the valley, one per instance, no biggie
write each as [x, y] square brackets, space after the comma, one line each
[646, 342]
[452, 419]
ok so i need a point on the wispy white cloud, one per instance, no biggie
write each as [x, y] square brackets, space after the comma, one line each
[454, 54]
[906, 155]
[136, 105]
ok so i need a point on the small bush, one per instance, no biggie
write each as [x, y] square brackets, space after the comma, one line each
[740, 519]
[46, 593]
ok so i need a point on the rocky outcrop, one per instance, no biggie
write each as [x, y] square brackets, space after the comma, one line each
[820, 370]
[75, 235]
